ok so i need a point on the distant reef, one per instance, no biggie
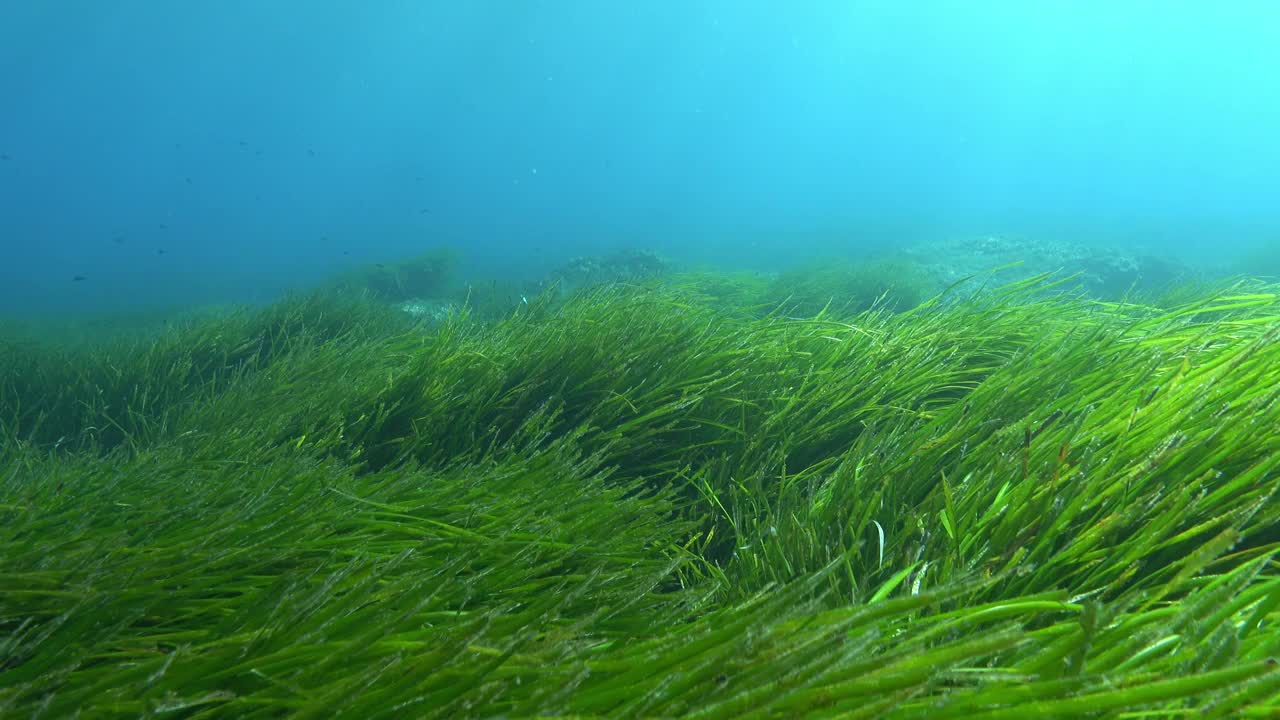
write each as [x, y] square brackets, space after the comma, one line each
[618, 266]
[1104, 271]
[428, 285]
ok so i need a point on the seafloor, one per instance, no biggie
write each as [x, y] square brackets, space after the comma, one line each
[863, 489]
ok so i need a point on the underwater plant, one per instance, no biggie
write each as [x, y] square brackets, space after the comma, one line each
[427, 275]
[846, 286]
[642, 502]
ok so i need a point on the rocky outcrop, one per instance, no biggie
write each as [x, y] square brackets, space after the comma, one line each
[616, 267]
[1104, 271]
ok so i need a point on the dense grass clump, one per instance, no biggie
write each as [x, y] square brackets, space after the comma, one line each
[651, 501]
[103, 391]
[846, 286]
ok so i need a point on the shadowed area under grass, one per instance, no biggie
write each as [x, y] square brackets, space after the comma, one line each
[651, 500]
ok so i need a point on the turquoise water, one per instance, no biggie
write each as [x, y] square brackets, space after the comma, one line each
[205, 152]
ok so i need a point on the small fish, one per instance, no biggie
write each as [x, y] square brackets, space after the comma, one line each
[163, 226]
[424, 211]
[379, 265]
[5, 156]
[160, 251]
[78, 278]
[188, 180]
[118, 239]
[311, 152]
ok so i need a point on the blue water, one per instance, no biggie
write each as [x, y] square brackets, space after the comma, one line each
[205, 151]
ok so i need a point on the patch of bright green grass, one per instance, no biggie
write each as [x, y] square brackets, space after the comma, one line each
[645, 501]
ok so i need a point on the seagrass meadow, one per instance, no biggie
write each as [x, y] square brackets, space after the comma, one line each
[655, 499]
